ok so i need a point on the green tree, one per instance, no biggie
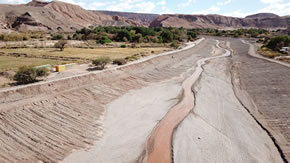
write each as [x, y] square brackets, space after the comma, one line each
[166, 36]
[104, 40]
[124, 34]
[277, 42]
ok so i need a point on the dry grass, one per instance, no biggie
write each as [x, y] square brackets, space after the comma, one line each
[86, 53]
[13, 63]
[269, 53]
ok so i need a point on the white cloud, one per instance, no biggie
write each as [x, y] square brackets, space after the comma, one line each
[136, 5]
[185, 4]
[224, 3]
[271, 1]
[98, 5]
[211, 10]
[162, 3]
[13, 1]
[165, 10]
[277, 8]
[146, 7]
[238, 14]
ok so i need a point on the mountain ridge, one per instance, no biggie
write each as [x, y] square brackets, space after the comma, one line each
[60, 16]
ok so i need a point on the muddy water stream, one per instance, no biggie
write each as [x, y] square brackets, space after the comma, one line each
[158, 145]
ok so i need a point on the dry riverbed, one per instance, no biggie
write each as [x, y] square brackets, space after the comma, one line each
[108, 116]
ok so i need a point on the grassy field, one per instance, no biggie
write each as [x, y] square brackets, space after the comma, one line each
[13, 63]
[86, 53]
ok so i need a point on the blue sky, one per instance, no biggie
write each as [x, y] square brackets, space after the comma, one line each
[237, 8]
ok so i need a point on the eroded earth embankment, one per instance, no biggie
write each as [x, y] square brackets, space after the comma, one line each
[264, 88]
[47, 121]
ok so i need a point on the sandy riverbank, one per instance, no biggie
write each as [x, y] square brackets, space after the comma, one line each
[219, 129]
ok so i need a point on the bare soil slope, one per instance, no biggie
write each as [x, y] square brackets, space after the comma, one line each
[267, 84]
[55, 16]
[218, 21]
[46, 121]
[141, 18]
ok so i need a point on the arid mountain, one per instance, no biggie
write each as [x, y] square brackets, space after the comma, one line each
[263, 15]
[60, 16]
[54, 16]
[221, 22]
[141, 18]
[21, 17]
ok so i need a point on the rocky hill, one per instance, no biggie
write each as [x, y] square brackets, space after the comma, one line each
[263, 15]
[141, 18]
[54, 16]
[59, 16]
[268, 21]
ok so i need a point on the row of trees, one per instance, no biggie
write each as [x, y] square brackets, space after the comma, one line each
[253, 32]
[134, 34]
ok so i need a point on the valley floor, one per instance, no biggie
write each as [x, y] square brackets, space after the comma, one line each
[111, 116]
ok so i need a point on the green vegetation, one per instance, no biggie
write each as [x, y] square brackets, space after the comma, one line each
[119, 61]
[27, 75]
[101, 62]
[278, 42]
[135, 34]
[60, 44]
[271, 48]
[132, 58]
[255, 33]
[58, 37]
[104, 40]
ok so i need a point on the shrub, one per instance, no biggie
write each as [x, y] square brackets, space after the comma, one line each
[131, 58]
[167, 36]
[278, 42]
[133, 45]
[105, 40]
[57, 37]
[60, 44]
[14, 37]
[123, 46]
[124, 34]
[42, 72]
[119, 61]
[174, 44]
[138, 38]
[27, 75]
[101, 62]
